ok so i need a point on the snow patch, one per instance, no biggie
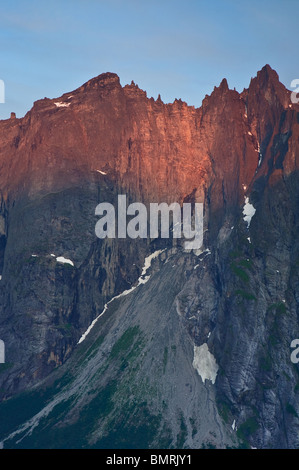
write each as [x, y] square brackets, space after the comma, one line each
[59, 104]
[205, 363]
[249, 133]
[62, 259]
[199, 252]
[260, 155]
[234, 425]
[102, 172]
[248, 211]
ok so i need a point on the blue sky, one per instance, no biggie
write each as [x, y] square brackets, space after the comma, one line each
[180, 49]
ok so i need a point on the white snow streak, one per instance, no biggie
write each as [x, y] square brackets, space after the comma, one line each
[248, 211]
[62, 105]
[61, 259]
[199, 252]
[142, 280]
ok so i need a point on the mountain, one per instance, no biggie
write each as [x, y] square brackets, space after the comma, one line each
[188, 349]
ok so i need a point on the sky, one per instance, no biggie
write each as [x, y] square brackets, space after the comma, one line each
[176, 48]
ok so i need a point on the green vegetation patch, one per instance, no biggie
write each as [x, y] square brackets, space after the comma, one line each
[182, 435]
[280, 307]
[5, 366]
[17, 410]
[165, 358]
[291, 410]
[239, 272]
[247, 429]
[124, 342]
[245, 295]
[223, 410]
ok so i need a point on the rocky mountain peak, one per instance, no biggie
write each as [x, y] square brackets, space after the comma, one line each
[103, 83]
[266, 86]
[223, 85]
[266, 75]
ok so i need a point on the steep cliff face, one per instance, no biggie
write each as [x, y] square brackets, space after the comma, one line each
[226, 315]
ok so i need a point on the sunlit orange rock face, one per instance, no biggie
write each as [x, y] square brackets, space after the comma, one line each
[155, 151]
